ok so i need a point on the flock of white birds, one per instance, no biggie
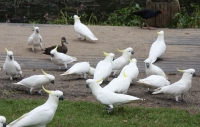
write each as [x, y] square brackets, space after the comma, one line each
[124, 70]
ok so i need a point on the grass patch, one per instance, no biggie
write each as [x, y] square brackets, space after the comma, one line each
[86, 114]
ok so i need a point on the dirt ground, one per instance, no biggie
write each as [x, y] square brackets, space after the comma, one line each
[179, 54]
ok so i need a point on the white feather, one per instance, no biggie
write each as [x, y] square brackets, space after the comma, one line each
[41, 115]
[178, 88]
[82, 29]
[158, 47]
[2, 121]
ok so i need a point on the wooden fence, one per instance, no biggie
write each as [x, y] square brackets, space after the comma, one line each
[169, 9]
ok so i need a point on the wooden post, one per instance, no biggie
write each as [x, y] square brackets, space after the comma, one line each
[169, 8]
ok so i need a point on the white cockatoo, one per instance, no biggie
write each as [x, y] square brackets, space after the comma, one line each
[41, 115]
[119, 84]
[122, 61]
[152, 69]
[82, 68]
[82, 29]
[157, 48]
[36, 81]
[178, 88]
[2, 121]
[109, 98]
[61, 59]
[131, 70]
[154, 81]
[35, 39]
[104, 67]
[11, 67]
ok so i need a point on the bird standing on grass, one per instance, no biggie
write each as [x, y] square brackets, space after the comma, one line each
[109, 98]
[2, 121]
[82, 29]
[61, 49]
[178, 88]
[36, 81]
[11, 67]
[158, 48]
[41, 115]
[146, 14]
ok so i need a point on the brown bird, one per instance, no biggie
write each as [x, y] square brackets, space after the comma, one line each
[62, 48]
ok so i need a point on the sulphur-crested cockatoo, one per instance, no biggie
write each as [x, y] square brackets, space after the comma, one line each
[41, 115]
[104, 67]
[36, 81]
[154, 81]
[152, 69]
[123, 60]
[2, 121]
[11, 67]
[109, 98]
[119, 85]
[131, 70]
[61, 59]
[79, 69]
[157, 48]
[35, 39]
[178, 88]
[82, 29]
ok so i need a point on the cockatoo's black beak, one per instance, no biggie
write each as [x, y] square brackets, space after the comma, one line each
[10, 57]
[61, 98]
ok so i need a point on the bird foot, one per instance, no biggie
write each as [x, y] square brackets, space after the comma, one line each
[109, 110]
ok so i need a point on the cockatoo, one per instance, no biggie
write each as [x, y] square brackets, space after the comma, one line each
[154, 81]
[152, 69]
[119, 85]
[104, 67]
[2, 121]
[131, 70]
[35, 39]
[122, 61]
[79, 69]
[82, 29]
[61, 59]
[109, 98]
[11, 67]
[178, 88]
[157, 48]
[36, 81]
[41, 115]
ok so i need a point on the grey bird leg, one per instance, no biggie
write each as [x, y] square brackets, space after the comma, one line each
[79, 36]
[110, 109]
[41, 47]
[177, 99]
[84, 38]
[31, 90]
[147, 25]
[33, 49]
[66, 65]
[11, 78]
[85, 76]
[182, 98]
[40, 91]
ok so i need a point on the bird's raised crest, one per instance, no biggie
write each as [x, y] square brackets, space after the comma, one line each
[124, 74]
[49, 92]
[56, 47]
[44, 72]
[120, 50]
[6, 49]
[105, 53]
[180, 70]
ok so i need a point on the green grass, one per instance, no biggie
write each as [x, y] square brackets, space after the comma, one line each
[87, 114]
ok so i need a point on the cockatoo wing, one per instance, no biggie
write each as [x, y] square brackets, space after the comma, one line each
[30, 40]
[38, 117]
[103, 70]
[17, 66]
[84, 30]
[40, 38]
[66, 58]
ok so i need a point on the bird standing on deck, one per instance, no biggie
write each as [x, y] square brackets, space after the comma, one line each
[35, 39]
[63, 48]
[82, 29]
[11, 67]
[146, 14]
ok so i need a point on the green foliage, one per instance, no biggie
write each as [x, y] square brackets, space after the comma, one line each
[186, 20]
[123, 17]
[87, 114]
